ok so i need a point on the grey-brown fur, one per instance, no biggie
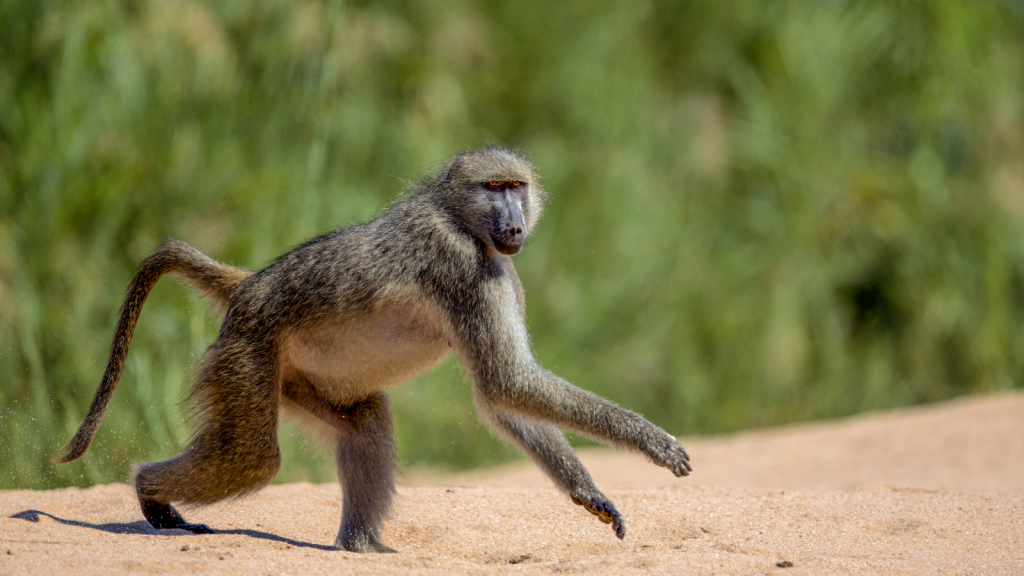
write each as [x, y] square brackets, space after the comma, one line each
[323, 331]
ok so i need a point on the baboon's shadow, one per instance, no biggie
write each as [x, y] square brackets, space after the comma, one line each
[143, 527]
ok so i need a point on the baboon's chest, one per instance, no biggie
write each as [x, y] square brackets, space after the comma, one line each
[351, 354]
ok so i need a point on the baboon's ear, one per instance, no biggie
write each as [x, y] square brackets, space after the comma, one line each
[452, 168]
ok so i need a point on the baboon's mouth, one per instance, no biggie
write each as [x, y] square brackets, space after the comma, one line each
[507, 243]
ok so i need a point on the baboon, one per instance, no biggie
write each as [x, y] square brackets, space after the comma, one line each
[322, 332]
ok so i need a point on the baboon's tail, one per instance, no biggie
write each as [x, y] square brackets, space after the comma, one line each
[218, 281]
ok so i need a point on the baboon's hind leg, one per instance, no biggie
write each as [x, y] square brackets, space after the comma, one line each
[366, 459]
[234, 450]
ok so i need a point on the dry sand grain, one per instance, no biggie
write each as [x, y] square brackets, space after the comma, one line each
[934, 490]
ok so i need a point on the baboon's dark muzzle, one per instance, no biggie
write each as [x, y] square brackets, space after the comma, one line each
[509, 232]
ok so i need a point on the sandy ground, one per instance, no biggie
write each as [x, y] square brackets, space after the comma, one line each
[934, 490]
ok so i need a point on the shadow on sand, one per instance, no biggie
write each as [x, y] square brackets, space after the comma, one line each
[143, 527]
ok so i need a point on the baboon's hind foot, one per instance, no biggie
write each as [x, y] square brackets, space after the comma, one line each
[364, 544]
[163, 516]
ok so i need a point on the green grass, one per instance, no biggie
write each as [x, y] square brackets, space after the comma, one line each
[759, 214]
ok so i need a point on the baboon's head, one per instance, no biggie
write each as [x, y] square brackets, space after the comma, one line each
[495, 195]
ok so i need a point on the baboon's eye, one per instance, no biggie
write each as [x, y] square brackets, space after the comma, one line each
[495, 185]
[515, 184]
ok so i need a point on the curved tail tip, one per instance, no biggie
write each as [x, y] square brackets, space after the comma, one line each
[69, 453]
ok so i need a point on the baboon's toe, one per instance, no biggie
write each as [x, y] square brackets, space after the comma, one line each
[377, 547]
[196, 528]
[366, 546]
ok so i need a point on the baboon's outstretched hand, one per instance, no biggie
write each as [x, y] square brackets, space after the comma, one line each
[670, 454]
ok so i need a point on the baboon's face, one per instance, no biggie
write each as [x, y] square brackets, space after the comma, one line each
[506, 226]
[500, 198]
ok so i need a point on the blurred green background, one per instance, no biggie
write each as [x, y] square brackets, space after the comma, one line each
[760, 214]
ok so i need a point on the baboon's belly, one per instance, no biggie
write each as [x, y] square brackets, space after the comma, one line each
[351, 356]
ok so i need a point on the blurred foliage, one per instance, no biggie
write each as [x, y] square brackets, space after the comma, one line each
[761, 213]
